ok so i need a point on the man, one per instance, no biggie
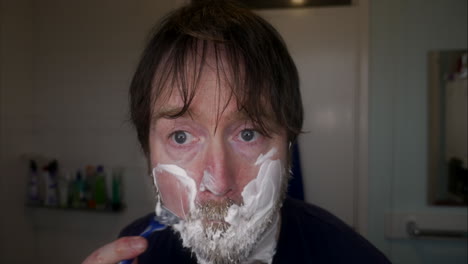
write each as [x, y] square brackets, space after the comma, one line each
[216, 105]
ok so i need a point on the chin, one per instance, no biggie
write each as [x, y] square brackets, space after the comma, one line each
[216, 241]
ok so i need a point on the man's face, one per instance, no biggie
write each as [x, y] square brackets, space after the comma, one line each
[218, 149]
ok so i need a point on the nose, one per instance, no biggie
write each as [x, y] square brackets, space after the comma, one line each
[219, 175]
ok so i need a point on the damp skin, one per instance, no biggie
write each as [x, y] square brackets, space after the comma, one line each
[184, 187]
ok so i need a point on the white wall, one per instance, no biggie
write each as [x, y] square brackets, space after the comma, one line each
[327, 58]
[402, 32]
[65, 72]
[65, 68]
[17, 244]
[80, 57]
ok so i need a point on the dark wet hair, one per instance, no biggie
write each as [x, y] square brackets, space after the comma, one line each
[263, 77]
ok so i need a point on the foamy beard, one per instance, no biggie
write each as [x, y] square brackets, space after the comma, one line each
[251, 233]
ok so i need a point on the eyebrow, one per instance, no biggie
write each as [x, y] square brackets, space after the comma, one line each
[168, 112]
[171, 112]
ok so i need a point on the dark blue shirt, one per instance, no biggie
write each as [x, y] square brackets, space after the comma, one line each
[309, 234]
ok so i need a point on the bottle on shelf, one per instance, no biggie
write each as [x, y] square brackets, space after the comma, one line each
[64, 190]
[90, 186]
[50, 172]
[100, 190]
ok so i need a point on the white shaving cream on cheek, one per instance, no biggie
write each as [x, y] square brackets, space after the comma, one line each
[183, 178]
[260, 194]
[260, 197]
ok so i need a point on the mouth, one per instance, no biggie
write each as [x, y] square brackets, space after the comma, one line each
[212, 214]
[220, 221]
[215, 219]
[215, 224]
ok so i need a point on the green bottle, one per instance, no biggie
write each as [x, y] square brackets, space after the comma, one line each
[100, 190]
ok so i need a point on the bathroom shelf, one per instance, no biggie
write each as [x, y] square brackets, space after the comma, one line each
[106, 210]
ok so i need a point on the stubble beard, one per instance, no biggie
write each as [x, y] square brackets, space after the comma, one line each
[213, 240]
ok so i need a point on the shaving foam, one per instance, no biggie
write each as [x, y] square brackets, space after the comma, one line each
[260, 196]
[208, 183]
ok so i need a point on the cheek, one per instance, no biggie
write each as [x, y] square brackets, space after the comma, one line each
[173, 193]
[245, 173]
[177, 190]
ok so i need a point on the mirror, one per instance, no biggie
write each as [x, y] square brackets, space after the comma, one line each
[447, 109]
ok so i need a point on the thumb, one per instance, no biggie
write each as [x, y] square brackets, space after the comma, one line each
[121, 249]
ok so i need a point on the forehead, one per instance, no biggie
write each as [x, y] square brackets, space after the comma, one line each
[208, 78]
[211, 96]
[203, 75]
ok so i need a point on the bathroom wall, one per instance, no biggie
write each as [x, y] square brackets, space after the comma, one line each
[65, 69]
[17, 241]
[401, 34]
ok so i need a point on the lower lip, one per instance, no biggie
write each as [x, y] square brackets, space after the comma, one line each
[208, 222]
[214, 221]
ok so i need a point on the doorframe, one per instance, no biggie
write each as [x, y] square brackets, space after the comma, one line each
[361, 176]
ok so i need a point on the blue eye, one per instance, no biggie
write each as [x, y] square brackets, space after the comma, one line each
[248, 135]
[180, 137]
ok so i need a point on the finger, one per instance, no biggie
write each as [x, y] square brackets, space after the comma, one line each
[123, 248]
